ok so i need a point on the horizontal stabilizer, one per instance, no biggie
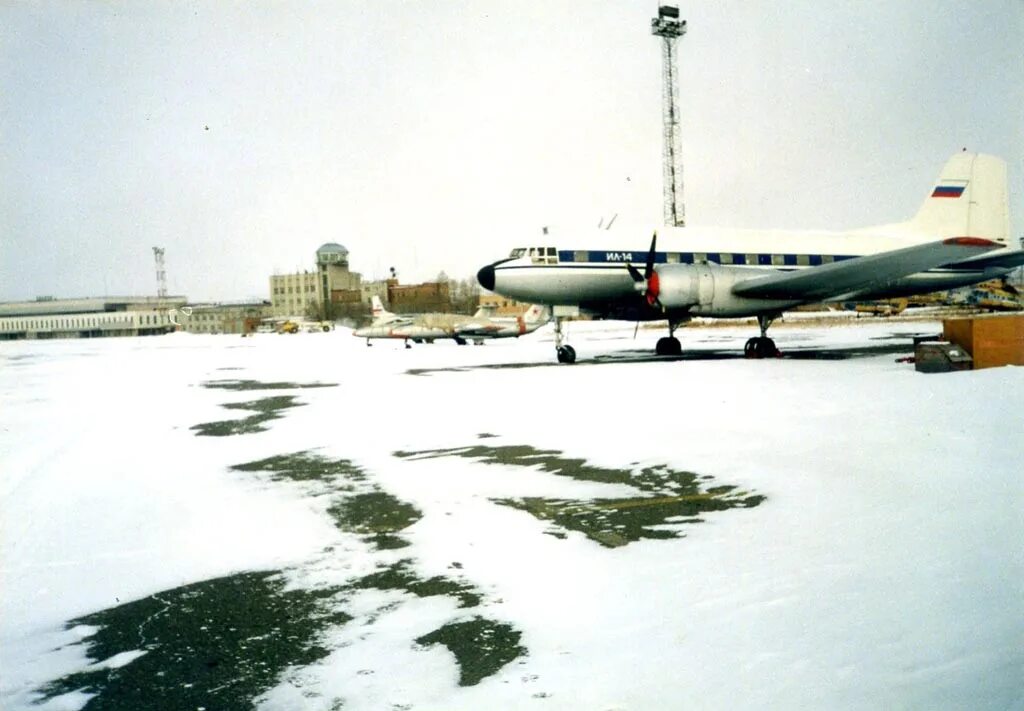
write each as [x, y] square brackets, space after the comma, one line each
[1003, 260]
[873, 271]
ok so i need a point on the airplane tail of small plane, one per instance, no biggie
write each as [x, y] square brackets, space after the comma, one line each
[377, 309]
[970, 198]
[537, 314]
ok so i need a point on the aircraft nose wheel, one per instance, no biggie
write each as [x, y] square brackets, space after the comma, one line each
[761, 347]
[566, 354]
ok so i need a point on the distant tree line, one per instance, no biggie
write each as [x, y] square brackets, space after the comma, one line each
[465, 295]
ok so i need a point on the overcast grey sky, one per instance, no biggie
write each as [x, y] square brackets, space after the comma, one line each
[437, 135]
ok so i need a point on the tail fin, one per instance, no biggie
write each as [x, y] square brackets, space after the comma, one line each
[377, 309]
[969, 199]
[537, 314]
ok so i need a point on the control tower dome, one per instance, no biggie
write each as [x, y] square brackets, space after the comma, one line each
[332, 253]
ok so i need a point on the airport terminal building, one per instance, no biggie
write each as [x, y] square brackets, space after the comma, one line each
[230, 317]
[88, 318]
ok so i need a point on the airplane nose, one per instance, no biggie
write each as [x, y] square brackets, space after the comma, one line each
[486, 277]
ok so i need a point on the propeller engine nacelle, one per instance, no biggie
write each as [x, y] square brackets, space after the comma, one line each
[706, 290]
[698, 289]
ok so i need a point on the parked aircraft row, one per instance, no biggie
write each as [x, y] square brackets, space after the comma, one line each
[426, 328]
[959, 236]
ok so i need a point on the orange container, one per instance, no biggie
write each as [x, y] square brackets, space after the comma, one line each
[991, 340]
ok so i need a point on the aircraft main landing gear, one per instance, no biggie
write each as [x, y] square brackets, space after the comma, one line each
[669, 345]
[759, 347]
[566, 354]
[762, 346]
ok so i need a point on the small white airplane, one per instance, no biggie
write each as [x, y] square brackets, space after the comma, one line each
[426, 328]
[959, 236]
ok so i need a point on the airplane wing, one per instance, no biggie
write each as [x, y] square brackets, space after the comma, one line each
[393, 320]
[873, 271]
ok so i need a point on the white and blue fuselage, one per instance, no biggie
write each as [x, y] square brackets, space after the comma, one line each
[598, 278]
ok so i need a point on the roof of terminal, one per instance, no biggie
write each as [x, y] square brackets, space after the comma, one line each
[53, 307]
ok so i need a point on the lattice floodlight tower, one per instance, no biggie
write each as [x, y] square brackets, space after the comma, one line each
[161, 274]
[670, 28]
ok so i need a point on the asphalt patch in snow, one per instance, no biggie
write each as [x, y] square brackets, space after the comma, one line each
[223, 643]
[357, 505]
[481, 646]
[645, 356]
[667, 500]
[307, 467]
[267, 408]
[847, 353]
[401, 577]
[216, 644]
[257, 385]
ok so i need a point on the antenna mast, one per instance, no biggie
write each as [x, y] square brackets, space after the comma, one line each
[161, 275]
[670, 28]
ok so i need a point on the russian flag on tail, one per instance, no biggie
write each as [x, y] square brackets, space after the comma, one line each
[949, 189]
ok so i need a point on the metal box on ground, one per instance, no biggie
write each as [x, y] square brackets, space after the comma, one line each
[940, 357]
[991, 340]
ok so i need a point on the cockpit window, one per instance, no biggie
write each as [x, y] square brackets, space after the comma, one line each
[544, 255]
[537, 255]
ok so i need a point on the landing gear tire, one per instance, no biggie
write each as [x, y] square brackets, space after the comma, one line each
[668, 346]
[460, 341]
[566, 354]
[761, 347]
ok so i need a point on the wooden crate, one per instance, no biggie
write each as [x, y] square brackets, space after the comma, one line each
[991, 340]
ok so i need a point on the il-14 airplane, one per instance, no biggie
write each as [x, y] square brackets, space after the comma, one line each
[959, 236]
[426, 328]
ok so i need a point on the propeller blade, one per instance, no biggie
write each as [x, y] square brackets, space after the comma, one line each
[647, 283]
[649, 267]
[634, 272]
